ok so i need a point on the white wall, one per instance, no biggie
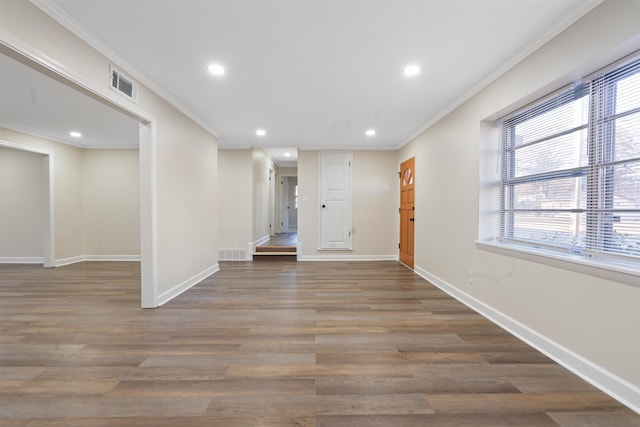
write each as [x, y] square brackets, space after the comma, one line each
[376, 198]
[111, 200]
[67, 192]
[23, 200]
[375, 206]
[95, 196]
[261, 165]
[180, 167]
[288, 171]
[590, 323]
[187, 199]
[235, 200]
[244, 199]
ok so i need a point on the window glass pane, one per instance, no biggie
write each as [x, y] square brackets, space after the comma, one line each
[626, 234]
[563, 118]
[563, 193]
[626, 186]
[620, 233]
[628, 94]
[627, 136]
[564, 229]
[569, 151]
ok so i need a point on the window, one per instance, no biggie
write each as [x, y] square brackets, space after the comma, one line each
[570, 168]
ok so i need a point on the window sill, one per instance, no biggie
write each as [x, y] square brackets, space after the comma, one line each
[619, 271]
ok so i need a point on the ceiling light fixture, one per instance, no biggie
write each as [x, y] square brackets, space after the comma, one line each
[261, 132]
[411, 70]
[216, 69]
[370, 132]
[287, 154]
[75, 134]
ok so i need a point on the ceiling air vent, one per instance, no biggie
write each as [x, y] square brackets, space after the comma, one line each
[123, 84]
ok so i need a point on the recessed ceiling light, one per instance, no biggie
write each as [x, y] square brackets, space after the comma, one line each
[411, 70]
[370, 132]
[216, 69]
[287, 154]
[75, 134]
[261, 132]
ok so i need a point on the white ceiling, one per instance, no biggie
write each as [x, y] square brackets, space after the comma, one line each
[316, 74]
[35, 103]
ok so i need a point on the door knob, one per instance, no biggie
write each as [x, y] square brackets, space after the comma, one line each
[412, 219]
[324, 206]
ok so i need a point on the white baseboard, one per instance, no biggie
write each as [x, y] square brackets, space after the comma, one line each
[67, 261]
[263, 239]
[115, 258]
[616, 387]
[260, 241]
[187, 284]
[21, 260]
[335, 257]
[82, 258]
[252, 245]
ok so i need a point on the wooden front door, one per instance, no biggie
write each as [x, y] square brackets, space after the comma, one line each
[407, 211]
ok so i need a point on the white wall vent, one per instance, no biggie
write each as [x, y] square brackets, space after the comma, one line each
[123, 84]
[233, 254]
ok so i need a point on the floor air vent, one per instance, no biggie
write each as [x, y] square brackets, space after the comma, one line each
[123, 84]
[232, 255]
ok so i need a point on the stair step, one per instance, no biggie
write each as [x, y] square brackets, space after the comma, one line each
[273, 249]
[275, 256]
[275, 253]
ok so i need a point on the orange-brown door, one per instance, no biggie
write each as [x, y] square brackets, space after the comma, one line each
[407, 211]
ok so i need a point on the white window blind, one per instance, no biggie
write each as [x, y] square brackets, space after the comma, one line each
[570, 172]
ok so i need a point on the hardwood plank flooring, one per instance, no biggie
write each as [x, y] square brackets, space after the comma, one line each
[271, 344]
[282, 239]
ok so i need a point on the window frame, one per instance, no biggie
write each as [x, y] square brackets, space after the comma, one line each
[509, 145]
[594, 259]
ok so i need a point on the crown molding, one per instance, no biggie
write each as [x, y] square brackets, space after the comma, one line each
[348, 148]
[36, 134]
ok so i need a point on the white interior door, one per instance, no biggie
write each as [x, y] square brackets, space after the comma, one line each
[284, 203]
[273, 177]
[335, 199]
[292, 204]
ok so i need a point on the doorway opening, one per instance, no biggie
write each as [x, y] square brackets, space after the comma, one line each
[283, 207]
[48, 83]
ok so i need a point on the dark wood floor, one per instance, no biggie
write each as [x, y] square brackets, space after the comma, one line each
[282, 239]
[271, 344]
